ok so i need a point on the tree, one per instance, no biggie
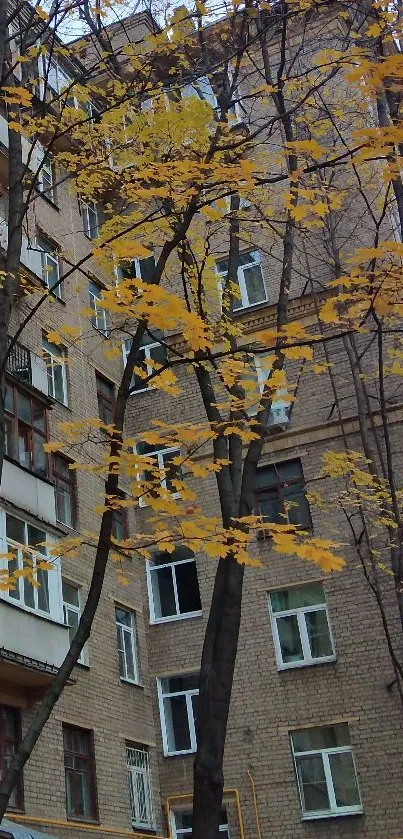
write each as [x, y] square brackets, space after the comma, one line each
[179, 176]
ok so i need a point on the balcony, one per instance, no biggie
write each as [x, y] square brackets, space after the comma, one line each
[24, 365]
[31, 649]
[30, 257]
[28, 492]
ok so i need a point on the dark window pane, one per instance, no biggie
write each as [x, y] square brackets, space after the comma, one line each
[163, 592]
[177, 723]
[38, 454]
[313, 784]
[344, 779]
[318, 633]
[254, 284]
[187, 587]
[321, 738]
[23, 408]
[174, 684]
[270, 508]
[290, 639]
[15, 529]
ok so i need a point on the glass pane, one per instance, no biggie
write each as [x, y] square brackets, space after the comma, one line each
[23, 408]
[321, 738]
[9, 437]
[28, 593]
[38, 455]
[9, 403]
[72, 619]
[254, 284]
[174, 684]
[38, 416]
[12, 567]
[24, 457]
[172, 471]
[63, 504]
[183, 821]
[123, 616]
[35, 537]
[43, 590]
[58, 378]
[297, 596]
[129, 654]
[297, 506]
[163, 592]
[70, 594]
[177, 724]
[158, 354]
[290, 640]
[188, 587]
[266, 477]
[313, 785]
[270, 507]
[344, 780]
[147, 269]
[15, 529]
[318, 633]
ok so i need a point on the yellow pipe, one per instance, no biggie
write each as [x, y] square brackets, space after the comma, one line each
[257, 819]
[179, 796]
[113, 831]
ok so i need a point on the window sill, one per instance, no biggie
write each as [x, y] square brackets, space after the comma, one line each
[100, 331]
[188, 753]
[298, 665]
[250, 308]
[48, 200]
[52, 293]
[82, 820]
[131, 682]
[144, 827]
[175, 618]
[356, 811]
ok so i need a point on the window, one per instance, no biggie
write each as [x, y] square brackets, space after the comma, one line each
[119, 522]
[281, 494]
[24, 543]
[90, 216]
[126, 640]
[250, 280]
[173, 587]
[170, 472]
[181, 824]
[254, 382]
[51, 75]
[301, 627]
[72, 613]
[50, 266]
[138, 768]
[10, 735]
[56, 358]
[178, 697]
[26, 430]
[151, 354]
[143, 269]
[46, 179]
[100, 318]
[106, 399]
[79, 768]
[65, 491]
[326, 775]
[201, 88]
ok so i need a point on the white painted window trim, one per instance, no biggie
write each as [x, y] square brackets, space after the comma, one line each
[54, 361]
[100, 314]
[90, 231]
[49, 260]
[159, 455]
[191, 723]
[300, 613]
[54, 575]
[334, 810]
[244, 300]
[145, 772]
[83, 657]
[130, 631]
[178, 833]
[152, 569]
[146, 349]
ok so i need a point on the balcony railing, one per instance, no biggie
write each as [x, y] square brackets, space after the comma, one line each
[19, 363]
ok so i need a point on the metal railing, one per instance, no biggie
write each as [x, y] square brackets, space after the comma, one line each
[19, 363]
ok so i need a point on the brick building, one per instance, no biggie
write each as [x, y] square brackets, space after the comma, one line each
[315, 738]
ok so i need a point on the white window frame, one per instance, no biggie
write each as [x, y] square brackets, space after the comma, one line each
[139, 774]
[71, 607]
[54, 576]
[159, 456]
[100, 318]
[129, 631]
[278, 412]
[49, 261]
[335, 810]
[90, 231]
[146, 350]
[152, 569]
[178, 832]
[189, 708]
[13, 32]
[46, 66]
[244, 300]
[300, 613]
[53, 360]
[46, 179]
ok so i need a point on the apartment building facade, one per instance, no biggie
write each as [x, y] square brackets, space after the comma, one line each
[315, 737]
